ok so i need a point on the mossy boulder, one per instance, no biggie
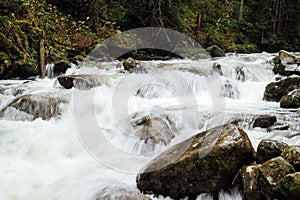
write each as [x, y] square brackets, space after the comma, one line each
[290, 101]
[276, 90]
[290, 186]
[268, 149]
[292, 155]
[272, 172]
[203, 163]
[264, 121]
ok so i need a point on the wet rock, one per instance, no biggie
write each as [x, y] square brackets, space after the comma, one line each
[289, 186]
[200, 56]
[120, 193]
[250, 182]
[290, 101]
[203, 163]
[215, 51]
[239, 74]
[217, 68]
[272, 172]
[276, 90]
[278, 126]
[58, 69]
[292, 155]
[228, 90]
[81, 81]
[268, 149]
[154, 130]
[43, 106]
[286, 64]
[133, 66]
[264, 121]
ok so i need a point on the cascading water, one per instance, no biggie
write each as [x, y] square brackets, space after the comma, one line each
[44, 157]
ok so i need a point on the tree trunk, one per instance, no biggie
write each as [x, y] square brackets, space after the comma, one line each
[42, 59]
[241, 13]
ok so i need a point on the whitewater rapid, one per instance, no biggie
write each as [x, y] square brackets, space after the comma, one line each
[50, 159]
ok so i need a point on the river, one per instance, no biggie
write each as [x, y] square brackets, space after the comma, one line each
[62, 158]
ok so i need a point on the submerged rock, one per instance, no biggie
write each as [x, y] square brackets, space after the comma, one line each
[228, 90]
[292, 155]
[203, 163]
[276, 90]
[81, 81]
[215, 51]
[120, 193]
[154, 130]
[290, 186]
[272, 172]
[264, 121]
[30, 106]
[268, 149]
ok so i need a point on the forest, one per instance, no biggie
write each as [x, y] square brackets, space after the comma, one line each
[66, 30]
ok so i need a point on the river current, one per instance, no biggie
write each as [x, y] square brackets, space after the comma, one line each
[58, 158]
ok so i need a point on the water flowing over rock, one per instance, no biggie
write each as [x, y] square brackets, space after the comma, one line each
[229, 90]
[292, 155]
[268, 149]
[56, 69]
[264, 121]
[217, 68]
[276, 90]
[286, 64]
[81, 81]
[290, 186]
[120, 193]
[30, 106]
[215, 51]
[155, 130]
[203, 163]
[240, 74]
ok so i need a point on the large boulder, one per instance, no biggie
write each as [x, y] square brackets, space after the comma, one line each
[290, 186]
[32, 106]
[82, 81]
[272, 172]
[276, 90]
[215, 51]
[203, 163]
[286, 64]
[264, 121]
[292, 155]
[268, 149]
